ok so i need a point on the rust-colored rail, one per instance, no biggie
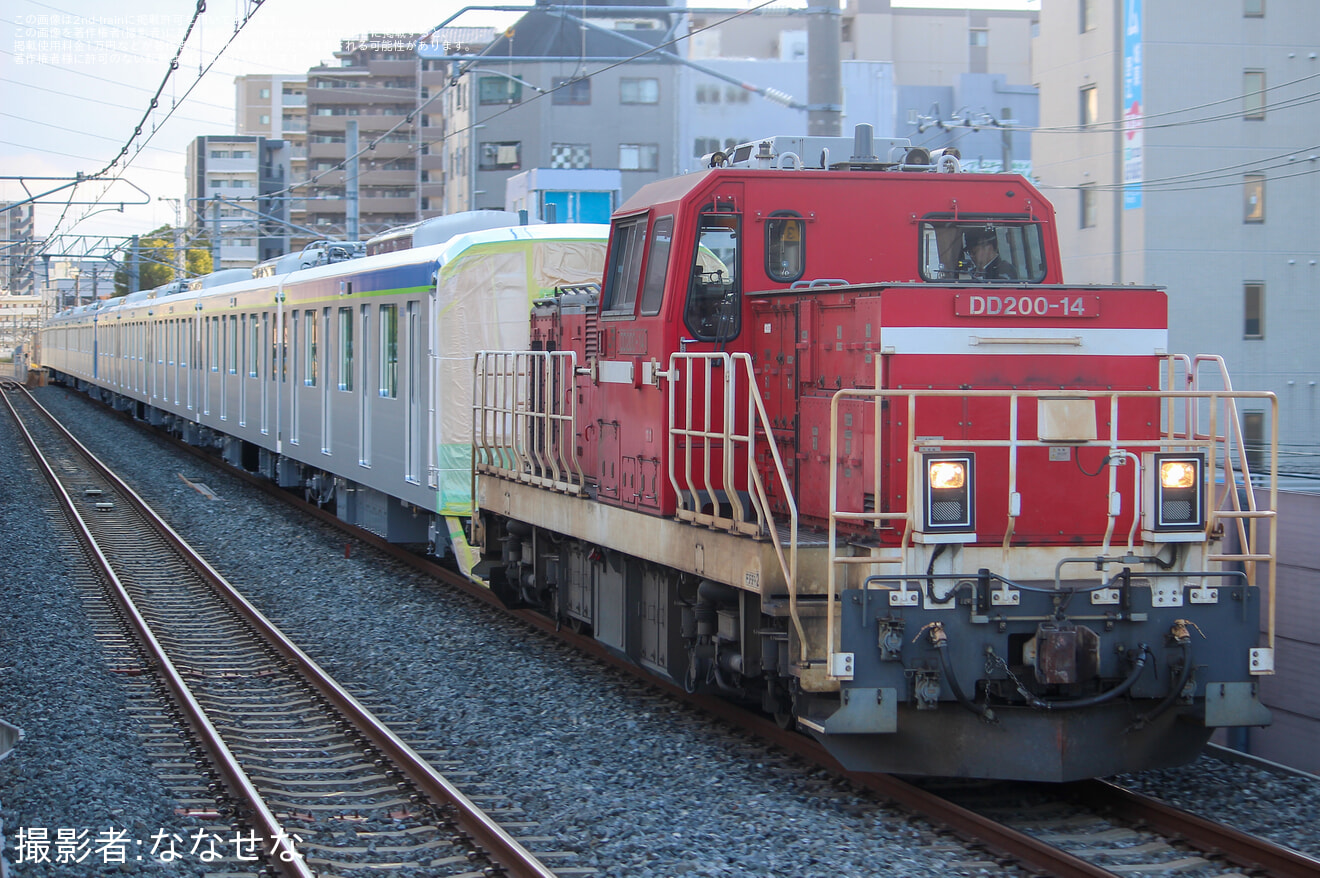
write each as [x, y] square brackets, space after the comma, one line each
[1236, 846]
[1001, 841]
[495, 842]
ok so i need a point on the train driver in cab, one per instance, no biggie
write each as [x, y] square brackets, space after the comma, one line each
[982, 247]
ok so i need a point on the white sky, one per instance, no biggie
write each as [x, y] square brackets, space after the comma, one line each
[76, 110]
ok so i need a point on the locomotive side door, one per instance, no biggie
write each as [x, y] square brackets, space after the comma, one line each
[633, 405]
[711, 472]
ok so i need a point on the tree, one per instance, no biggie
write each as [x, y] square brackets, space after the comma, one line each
[156, 260]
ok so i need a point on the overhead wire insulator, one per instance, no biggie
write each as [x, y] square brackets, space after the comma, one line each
[779, 97]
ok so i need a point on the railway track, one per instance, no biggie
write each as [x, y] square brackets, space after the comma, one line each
[1091, 829]
[313, 782]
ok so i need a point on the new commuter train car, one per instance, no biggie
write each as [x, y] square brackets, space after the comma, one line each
[328, 378]
[833, 436]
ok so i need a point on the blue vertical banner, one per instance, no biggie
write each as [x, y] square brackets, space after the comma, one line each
[1133, 109]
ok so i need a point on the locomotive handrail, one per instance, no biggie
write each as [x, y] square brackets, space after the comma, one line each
[524, 415]
[1168, 437]
[681, 365]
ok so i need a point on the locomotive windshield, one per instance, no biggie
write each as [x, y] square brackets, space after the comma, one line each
[982, 250]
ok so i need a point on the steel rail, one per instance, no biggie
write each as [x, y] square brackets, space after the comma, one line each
[1239, 847]
[287, 861]
[973, 828]
[967, 825]
[501, 847]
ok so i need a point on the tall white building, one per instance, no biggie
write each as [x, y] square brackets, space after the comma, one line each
[1181, 150]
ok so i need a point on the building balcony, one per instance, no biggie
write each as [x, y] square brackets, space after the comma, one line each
[389, 206]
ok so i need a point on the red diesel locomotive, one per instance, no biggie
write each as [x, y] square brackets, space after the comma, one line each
[836, 437]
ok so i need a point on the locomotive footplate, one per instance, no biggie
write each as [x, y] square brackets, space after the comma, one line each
[1034, 691]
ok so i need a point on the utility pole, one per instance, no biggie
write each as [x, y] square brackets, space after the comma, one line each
[215, 233]
[178, 236]
[824, 92]
[133, 265]
[351, 179]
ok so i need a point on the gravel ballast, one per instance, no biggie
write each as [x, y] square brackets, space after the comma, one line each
[633, 784]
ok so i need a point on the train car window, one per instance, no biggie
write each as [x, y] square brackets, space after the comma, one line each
[346, 349]
[982, 250]
[785, 246]
[389, 351]
[657, 265]
[233, 344]
[309, 348]
[413, 428]
[713, 308]
[625, 268]
[254, 349]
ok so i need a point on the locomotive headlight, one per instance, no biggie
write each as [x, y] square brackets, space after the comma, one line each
[1177, 474]
[947, 475]
[1175, 496]
[948, 498]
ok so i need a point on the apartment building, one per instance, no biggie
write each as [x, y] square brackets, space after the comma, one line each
[1181, 151]
[374, 84]
[233, 181]
[275, 107]
[17, 261]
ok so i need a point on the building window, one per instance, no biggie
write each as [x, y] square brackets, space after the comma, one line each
[498, 90]
[1253, 310]
[574, 92]
[1087, 9]
[219, 153]
[265, 94]
[1090, 206]
[708, 94]
[570, 155]
[1090, 105]
[1253, 94]
[978, 37]
[1253, 198]
[1254, 8]
[639, 91]
[505, 156]
[639, 157]
[265, 118]
[1253, 439]
[735, 95]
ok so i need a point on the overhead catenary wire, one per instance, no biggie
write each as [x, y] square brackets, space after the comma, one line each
[137, 132]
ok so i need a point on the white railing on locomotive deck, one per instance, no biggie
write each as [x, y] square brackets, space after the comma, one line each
[524, 412]
[1209, 407]
[711, 432]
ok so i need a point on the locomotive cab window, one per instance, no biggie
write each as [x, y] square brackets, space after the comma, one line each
[982, 250]
[713, 308]
[625, 268]
[785, 243]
